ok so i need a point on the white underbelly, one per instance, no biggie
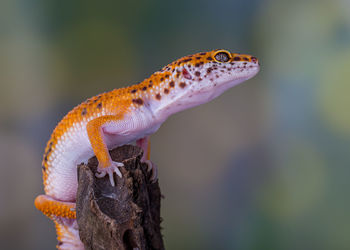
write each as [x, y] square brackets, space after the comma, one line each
[74, 148]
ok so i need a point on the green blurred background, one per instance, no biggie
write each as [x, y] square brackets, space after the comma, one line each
[265, 166]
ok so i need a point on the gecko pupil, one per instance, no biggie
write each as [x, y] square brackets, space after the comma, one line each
[222, 57]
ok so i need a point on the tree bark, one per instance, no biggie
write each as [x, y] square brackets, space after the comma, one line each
[123, 217]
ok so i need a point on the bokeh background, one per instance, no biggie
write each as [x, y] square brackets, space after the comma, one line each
[265, 166]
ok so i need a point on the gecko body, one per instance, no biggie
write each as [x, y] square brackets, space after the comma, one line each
[125, 115]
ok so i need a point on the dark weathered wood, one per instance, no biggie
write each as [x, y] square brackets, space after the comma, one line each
[123, 217]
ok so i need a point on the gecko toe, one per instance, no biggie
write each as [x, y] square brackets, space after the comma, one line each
[100, 174]
[111, 179]
[113, 168]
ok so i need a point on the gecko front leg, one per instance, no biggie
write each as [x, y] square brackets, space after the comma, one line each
[145, 144]
[96, 136]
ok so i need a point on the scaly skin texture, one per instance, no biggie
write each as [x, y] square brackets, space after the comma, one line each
[124, 115]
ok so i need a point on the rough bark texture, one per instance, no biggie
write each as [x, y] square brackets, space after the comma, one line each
[123, 217]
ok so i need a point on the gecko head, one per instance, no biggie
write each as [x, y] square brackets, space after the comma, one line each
[199, 78]
[203, 76]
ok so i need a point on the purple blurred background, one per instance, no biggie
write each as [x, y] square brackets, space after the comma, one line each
[265, 166]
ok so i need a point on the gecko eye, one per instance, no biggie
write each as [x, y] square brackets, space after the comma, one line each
[222, 56]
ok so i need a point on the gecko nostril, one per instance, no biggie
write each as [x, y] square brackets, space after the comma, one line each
[254, 59]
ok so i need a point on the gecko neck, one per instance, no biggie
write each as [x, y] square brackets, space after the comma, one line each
[162, 101]
[176, 100]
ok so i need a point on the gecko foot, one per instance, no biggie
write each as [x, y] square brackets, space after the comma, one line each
[113, 168]
[153, 168]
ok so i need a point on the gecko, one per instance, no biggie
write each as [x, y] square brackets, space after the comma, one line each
[125, 115]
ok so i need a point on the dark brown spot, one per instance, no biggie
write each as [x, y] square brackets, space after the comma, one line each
[133, 91]
[166, 91]
[97, 98]
[99, 106]
[198, 57]
[197, 65]
[186, 74]
[222, 70]
[162, 79]
[144, 88]
[158, 96]
[197, 73]
[45, 158]
[43, 167]
[166, 76]
[209, 70]
[187, 60]
[84, 111]
[200, 79]
[201, 63]
[182, 85]
[237, 58]
[150, 81]
[137, 101]
[245, 59]
[203, 53]
[209, 58]
[172, 84]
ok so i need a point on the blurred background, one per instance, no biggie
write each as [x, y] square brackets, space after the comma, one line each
[264, 166]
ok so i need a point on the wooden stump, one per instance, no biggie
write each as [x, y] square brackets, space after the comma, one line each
[123, 217]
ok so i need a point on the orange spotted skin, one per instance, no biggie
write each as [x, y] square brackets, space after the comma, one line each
[115, 101]
[124, 98]
[127, 114]
[53, 207]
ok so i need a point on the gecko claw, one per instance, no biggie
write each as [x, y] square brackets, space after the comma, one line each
[101, 172]
[153, 168]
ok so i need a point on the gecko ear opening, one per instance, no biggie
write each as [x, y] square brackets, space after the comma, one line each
[222, 56]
